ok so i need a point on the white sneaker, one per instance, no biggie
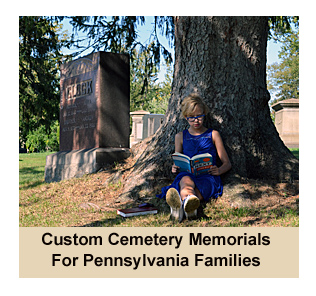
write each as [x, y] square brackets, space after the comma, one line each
[190, 206]
[174, 201]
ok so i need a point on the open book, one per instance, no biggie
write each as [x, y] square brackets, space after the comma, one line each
[197, 165]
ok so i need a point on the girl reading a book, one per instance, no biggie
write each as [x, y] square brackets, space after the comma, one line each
[187, 190]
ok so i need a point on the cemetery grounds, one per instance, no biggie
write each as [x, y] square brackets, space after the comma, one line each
[93, 199]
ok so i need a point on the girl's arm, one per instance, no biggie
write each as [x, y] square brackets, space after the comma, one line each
[226, 165]
[178, 142]
[178, 148]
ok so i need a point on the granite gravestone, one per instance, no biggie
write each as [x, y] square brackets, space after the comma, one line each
[94, 115]
[144, 124]
[287, 121]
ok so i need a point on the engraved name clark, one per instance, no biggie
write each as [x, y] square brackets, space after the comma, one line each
[79, 89]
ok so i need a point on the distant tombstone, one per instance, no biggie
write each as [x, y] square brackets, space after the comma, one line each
[287, 121]
[137, 126]
[94, 115]
[144, 125]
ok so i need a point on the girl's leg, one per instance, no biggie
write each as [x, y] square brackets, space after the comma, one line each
[181, 204]
[187, 187]
[174, 200]
[190, 196]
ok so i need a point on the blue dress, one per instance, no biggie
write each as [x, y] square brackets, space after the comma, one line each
[210, 186]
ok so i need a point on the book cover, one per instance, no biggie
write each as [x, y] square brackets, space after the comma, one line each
[140, 210]
[182, 161]
[197, 165]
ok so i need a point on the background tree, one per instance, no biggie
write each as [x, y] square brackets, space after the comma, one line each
[40, 44]
[144, 75]
[160, 103]
[283, 77]
[146, 92]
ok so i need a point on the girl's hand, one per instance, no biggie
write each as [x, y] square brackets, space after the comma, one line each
[175, 169]
[215, 171]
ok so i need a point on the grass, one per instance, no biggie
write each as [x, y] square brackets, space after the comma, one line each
[90, 201]
[32, 169]
[295, 152]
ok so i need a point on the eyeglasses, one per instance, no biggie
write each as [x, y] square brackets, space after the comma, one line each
[199, 117]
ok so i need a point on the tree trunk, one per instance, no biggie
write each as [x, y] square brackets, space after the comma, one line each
[224, 60]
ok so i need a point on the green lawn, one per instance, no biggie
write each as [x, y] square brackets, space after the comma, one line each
[32, 169]
[295, 152]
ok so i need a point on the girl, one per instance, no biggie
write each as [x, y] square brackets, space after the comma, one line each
[187, 191]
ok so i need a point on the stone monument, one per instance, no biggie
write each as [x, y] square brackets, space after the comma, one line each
[94, 115]
[287, 121]
[144, 124]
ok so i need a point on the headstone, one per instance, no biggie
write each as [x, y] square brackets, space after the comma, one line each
[94, 105]
[137, 126]
[94, 115]
[144, 125]
[152, 123]
[287, 121]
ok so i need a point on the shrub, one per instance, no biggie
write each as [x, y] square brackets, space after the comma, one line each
[39, 140]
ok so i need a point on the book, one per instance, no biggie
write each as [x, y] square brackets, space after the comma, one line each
[197, 165]
[143, 209]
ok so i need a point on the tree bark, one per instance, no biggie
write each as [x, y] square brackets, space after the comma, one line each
[224, 60]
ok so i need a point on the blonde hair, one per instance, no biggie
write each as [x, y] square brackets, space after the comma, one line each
[189, 104]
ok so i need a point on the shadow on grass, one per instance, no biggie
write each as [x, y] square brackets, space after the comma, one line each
[31, 185]
[161, 205]
[256, 203]
[296, 153]
[37, 176]
[232, 217]
[105, 222]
